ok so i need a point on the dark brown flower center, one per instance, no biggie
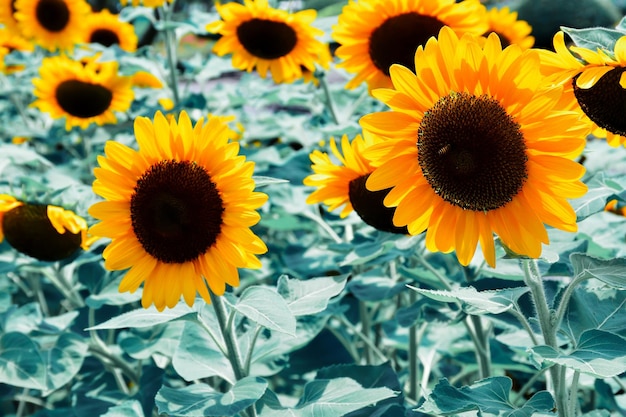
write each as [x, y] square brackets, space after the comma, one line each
[605, 102]
[28, 229]
[104, 37]
[81, 99]
[472, 152]
[397, 39]
[369, 206]
[176, 211]
[53, 15]
[267, 39]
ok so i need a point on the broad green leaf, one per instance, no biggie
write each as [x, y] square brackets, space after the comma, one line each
[110, 295]
[125, 409]
[600, 190]
[24, 364]
[598, 353]
[265, 306]
[374, 288]
[197, 356]
[202, 400]
[611, 271]
[594, 38]
[331, 397]
[309, 296]
[145, 317]
[608, 312]
[477, 302]
[151, 342]
[490, 396]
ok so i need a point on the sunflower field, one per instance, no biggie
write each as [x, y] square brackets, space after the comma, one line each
[313, 208]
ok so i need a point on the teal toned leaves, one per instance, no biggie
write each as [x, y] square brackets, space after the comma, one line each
[594, 38]
[266, 307]
[145, 317]
[611, 271]
[598, 353]
[478, 302]
[490, 396]
[202, 400]
[309, 296]
[24, 364]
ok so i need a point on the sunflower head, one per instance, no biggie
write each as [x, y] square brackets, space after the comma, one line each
[44, 232]
[107, 29]
[475, 145]
[267, 39]
[376, 34]
[178, 210]
[84, 92]
[594, 84]
[343, 184]
[52, 24]
[504, 23]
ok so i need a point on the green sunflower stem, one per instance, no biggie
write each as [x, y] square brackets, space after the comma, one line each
[170, 49]
[330, 104]
[533, 279]
[228, 333]
[414, 372]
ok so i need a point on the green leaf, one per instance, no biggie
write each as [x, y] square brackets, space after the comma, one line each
[145, 317]
[125, 409]
[197, 356]
[266, 307]
[598, 353]
[202, 400]
[331, 397]
[612, 271]
[309, 296]
[601, 189]
[260, 181]
[375, 288]
[24, 364]
[483, 302]
[110, 295]
[490, 396]
[594, 38]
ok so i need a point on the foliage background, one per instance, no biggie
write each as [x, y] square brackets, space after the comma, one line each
[329, 325]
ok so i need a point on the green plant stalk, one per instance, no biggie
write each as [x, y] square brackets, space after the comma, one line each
[228, 333]
[533, 280]
[170, 49]
[483, 353]
[330, 104]
[414, 372]
[365, 329]
[573, 394]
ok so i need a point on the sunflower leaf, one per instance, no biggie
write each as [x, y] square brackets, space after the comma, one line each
[202, 400]
[612, 272]
[145, 317]
[594, 38]
[309, 296]
[261, 181]
[598, 353]
[490, 396]
[266, 307]
[477, 302]
[601, 190]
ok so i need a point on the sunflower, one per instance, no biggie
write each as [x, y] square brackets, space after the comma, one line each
[510, 30]
[178, 211]
[9, 42]
[82, 92]
[45, 232]
[344, 184]
[52, 24]
[107, 29]
[145, 3]
[493, 152]
[264, 38]
[374, 34]
[7, 16]
[595, 83]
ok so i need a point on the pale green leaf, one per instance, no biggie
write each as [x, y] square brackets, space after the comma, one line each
[611, 271]
[477, 302]
[309, 296]
[145, 317]
[266, 307]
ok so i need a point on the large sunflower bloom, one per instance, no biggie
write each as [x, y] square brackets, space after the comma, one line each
[494, 152]
[52, 24]
[45, 232]
[82, 92]
[505, 24]
[264, 38]
[343, 184]
[595, 83]
[374, 34]
[178, 211]
[107, 29]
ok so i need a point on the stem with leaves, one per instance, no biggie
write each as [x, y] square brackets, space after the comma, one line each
[225, 322]
[546, 318]
[170, 49]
